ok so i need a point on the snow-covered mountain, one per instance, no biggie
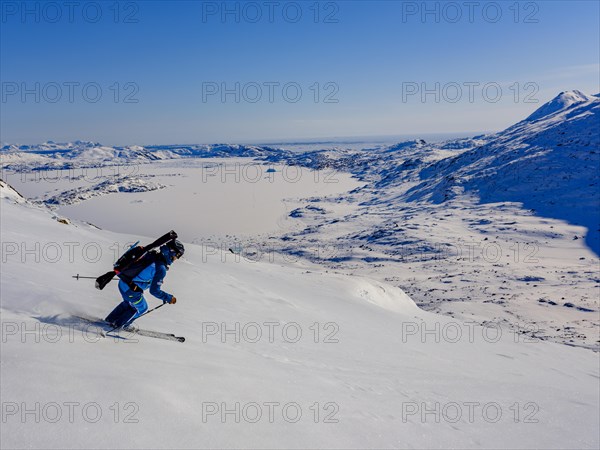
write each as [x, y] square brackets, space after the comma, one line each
[82, 154]
[561, 102]
[340, 361]
[52, 155]
[550, 164]
[216, 151]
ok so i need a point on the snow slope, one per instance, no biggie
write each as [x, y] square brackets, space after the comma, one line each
[550, 165]
[10, 194]
[376, 383]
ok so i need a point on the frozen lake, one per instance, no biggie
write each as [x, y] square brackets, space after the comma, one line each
[203, 198]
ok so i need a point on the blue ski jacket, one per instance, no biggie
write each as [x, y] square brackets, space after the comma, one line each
[152, 277]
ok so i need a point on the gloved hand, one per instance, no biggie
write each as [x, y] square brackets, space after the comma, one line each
[173, 300]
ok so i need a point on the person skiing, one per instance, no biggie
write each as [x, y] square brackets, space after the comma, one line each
[134, 304]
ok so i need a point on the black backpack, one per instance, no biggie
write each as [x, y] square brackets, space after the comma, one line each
[134, 260]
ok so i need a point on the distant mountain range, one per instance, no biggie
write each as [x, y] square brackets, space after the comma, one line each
[51, 155]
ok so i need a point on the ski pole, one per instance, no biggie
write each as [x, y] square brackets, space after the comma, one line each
[81, 276]
[156, 307]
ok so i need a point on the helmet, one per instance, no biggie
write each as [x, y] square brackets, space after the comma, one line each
[176, 248]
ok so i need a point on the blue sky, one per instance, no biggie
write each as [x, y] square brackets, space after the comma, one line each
[153, 72]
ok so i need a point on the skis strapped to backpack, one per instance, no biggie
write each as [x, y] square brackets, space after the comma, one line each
[133, 260]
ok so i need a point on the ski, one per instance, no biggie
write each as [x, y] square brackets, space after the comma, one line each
[159, 335]
[101, 324]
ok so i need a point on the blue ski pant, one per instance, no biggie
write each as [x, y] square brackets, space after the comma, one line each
[135, 299]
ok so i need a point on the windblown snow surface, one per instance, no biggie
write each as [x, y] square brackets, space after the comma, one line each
[342, 362]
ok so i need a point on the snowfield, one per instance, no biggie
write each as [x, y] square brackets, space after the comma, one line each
[318, 360]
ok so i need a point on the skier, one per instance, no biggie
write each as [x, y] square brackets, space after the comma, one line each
[152, 276]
